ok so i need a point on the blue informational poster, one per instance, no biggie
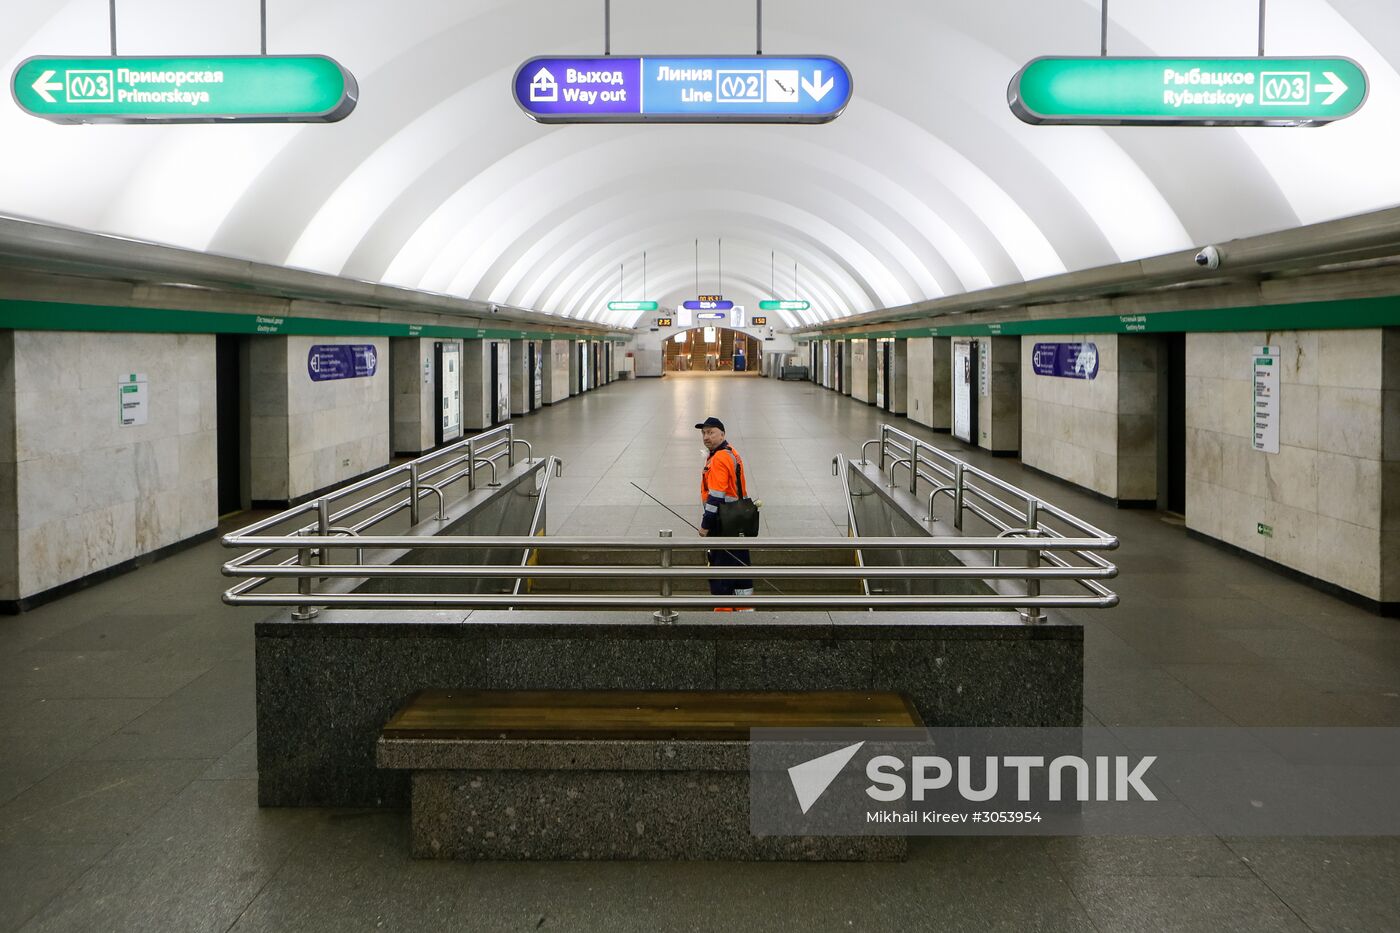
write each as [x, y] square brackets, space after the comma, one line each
[341, 361]
[1068, 360]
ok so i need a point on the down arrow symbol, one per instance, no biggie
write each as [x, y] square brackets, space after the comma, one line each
[816, 87]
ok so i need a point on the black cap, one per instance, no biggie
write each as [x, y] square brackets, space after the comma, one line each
[711, 422]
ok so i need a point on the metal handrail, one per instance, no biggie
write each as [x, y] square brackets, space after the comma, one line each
[538, 517]
[906, 443]
[275, 557]
[641, 543]
[1009, 521]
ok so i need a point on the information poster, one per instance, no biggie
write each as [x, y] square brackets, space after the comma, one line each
[1266, 399]
[1066, 360]
[341, 361]
[449, 391]
[964, 403]
[133, 396]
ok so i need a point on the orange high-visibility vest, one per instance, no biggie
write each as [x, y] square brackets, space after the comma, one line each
[719, 482]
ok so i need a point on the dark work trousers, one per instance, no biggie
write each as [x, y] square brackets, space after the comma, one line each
[729, 559]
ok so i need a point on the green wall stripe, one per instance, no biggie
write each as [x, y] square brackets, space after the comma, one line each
[53, 315]
[1309, 315]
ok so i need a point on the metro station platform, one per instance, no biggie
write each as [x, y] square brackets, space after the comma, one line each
[128, 797]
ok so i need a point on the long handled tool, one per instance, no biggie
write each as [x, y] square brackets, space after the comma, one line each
[693, 525]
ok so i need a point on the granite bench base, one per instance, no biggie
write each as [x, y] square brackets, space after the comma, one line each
[598, 801]
[325, 688]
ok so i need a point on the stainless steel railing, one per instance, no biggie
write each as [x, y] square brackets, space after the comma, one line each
[403, 488]
[1009, 510]
[838, 468]
[537, 520]
[289, 552]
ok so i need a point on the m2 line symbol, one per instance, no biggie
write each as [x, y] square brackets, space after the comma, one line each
[739, 87]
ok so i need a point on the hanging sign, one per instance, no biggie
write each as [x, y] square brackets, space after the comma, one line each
[1068, 360]
[341, 361]
[683, 89]
[783, 305]
[711, 316]
[760, 321]
[146, 89]
[632, 306]
[705, 304]
[663, 322]
[1266, 398]
[1187, 91]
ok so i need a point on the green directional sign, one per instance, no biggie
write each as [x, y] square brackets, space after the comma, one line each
[783, 305]
[632, 306]
[233, 89]
[1187, 91]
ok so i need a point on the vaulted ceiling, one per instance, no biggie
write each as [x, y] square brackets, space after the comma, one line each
[926, 186]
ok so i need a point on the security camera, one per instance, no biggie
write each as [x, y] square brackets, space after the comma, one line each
[1209, 258]
[495, 307]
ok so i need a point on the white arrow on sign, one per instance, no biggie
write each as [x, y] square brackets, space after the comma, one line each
[816, 87]
[43, 86]
[1334, 84]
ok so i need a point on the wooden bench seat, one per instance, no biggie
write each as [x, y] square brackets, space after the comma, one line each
[610, 774]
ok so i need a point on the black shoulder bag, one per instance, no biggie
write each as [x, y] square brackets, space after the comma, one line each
[738, 519]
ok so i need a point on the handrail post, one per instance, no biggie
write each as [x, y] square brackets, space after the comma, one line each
[884, 440]
[1032, 614]
[323, 528]
[510, 444]
[305, 610]
[471, 464]
[914, 465]
[413, 492]
[958, 495]
[665, 614]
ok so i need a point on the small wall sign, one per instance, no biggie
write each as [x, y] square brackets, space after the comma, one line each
[341, 361]
[134, 400]
[1066, 360]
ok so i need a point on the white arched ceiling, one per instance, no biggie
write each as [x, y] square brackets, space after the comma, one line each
[927, 185]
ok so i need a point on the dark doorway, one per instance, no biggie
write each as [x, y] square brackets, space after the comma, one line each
[1176, 422]
[228, 393]
[530, 373]
[495, 384]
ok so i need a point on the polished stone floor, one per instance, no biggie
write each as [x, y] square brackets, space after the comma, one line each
[127, 774]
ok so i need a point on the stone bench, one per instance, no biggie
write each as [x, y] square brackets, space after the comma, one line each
[610, 774]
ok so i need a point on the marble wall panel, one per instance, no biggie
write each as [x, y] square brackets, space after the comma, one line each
[85, 492]
[308, 435]
[1322, 495]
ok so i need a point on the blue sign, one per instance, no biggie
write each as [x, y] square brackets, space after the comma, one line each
[1069, 360]
[707, 305]
[683, 89]
[341, 361]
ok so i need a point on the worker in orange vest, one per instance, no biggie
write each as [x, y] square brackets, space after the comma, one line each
[722, 481]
